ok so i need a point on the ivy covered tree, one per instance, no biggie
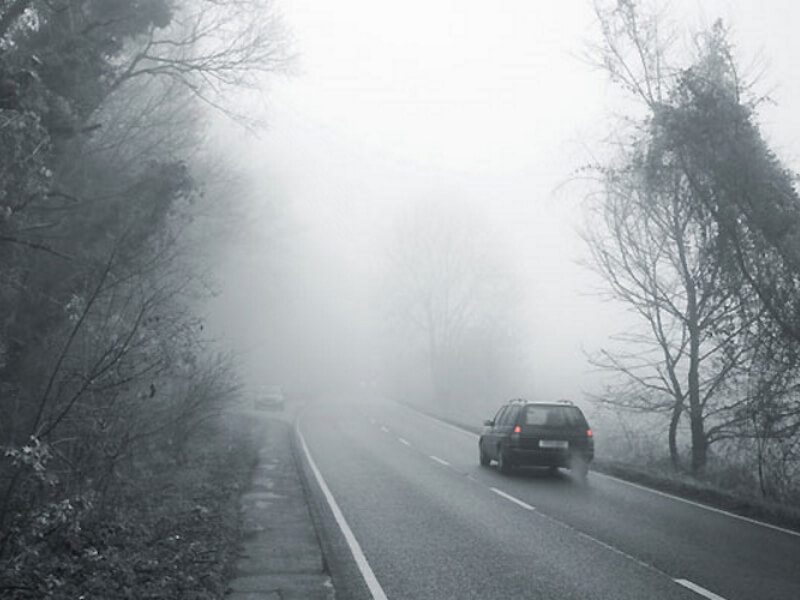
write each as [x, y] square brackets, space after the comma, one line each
[697, 233]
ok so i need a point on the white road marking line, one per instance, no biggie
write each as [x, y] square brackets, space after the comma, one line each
[605, 545]
[699, 590]
[517, 501]
[384, 429]
[404, 441]
[684, 582]
[358, 555]
[377, 591]
[699, 505]
[641, 487]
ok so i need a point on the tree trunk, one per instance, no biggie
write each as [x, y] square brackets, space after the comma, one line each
[699, 447]
[674, 455]
[699, 440]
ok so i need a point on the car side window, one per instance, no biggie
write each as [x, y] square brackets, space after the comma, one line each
[575, 418]
[498, 418]
[508, 416]
[512, 414]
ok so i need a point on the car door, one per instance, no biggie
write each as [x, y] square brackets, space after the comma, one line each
[507, 425]
[491, 434]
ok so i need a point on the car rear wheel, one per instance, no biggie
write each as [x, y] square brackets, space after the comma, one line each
[503, 464]
[484, 458]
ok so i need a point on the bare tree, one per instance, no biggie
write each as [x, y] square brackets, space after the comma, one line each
[679, 245]
[655, 249]
[446, 284]
[211, 48]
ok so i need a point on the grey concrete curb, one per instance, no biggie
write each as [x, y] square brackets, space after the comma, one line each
[280, 553]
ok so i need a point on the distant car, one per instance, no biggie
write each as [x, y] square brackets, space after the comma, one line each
[270, 398]
[538, 434]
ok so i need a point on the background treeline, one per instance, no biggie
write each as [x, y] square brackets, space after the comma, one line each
[695, 227]
[106, 382]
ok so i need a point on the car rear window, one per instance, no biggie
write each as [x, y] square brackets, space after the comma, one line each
[553, 416]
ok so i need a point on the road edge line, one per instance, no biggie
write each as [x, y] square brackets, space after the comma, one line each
[511, 498]
[355, 548]
[708, 507]
[698, 589]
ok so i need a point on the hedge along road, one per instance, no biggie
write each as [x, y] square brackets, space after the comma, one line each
[428, 522]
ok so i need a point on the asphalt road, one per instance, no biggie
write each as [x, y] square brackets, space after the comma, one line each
[427, 521]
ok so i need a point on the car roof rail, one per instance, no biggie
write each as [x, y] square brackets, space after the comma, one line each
[568, 402]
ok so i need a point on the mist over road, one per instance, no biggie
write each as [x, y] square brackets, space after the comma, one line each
[433, 524]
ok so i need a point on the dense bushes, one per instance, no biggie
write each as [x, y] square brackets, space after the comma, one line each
[106, 382]
[168, 533]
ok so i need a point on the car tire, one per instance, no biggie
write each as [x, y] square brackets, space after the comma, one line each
[484, 458]
[503, 464]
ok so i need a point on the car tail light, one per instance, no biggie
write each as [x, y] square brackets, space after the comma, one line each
[517, 429]
[588, 433]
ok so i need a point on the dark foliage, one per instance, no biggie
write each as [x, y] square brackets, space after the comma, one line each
[168, 534]
[105, 381]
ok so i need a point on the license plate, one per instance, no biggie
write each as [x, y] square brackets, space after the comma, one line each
[553, 444]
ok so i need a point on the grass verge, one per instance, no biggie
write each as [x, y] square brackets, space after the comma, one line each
[697, 490]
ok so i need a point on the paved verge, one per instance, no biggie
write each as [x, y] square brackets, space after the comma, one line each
[280, 556]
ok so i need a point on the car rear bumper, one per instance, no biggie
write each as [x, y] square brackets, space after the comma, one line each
[540, 457]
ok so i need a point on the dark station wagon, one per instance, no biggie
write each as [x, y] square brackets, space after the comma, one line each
[538, 434]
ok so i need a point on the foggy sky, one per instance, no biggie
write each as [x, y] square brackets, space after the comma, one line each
[489, 103]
